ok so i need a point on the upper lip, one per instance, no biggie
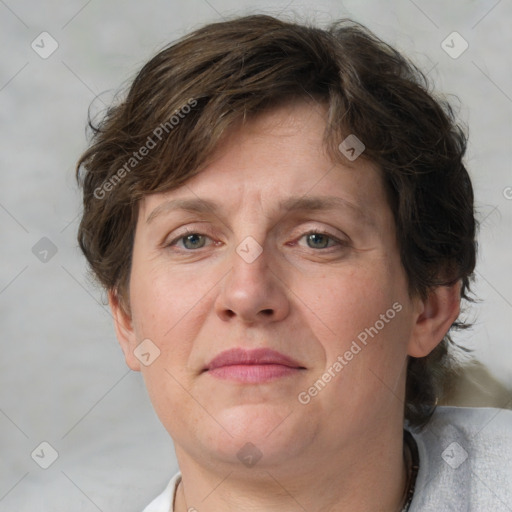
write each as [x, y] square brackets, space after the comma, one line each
[237, 356]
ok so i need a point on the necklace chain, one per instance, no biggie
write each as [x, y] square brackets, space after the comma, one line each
[413, 466]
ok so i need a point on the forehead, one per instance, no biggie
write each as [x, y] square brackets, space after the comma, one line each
[278, 159]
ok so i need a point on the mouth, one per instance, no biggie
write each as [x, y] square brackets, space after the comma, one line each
[252, 366]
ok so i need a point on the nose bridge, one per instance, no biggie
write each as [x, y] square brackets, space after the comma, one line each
[250, 226]
[250, 263]
[250, 290]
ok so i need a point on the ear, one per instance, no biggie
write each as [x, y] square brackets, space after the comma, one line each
[435, 315]
[124, 330]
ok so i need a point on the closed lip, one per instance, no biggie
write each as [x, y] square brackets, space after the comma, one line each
[259, 356]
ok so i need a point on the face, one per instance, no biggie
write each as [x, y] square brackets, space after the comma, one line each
[293, 262]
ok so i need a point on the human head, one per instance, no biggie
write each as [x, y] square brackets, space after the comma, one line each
[188, 96]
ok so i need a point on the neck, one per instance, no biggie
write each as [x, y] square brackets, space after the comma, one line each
[360, 477]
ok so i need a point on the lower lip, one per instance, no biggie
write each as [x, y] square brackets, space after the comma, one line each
[252, 373]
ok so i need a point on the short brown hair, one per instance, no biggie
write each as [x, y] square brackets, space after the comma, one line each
[187, 96]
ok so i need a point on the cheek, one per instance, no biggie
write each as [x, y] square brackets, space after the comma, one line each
[167, 309]
[346, 303]
[164, 300]
[365, 320]
[365, 348]
[170, 399]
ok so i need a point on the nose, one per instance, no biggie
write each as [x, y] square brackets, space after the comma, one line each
[253, 291]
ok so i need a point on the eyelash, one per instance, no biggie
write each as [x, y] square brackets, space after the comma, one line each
[340, 243]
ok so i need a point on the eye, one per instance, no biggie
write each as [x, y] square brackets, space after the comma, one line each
[191, 240]
[320, 240]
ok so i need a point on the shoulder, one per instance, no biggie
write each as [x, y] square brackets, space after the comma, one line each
[465, 460]
[476, 426]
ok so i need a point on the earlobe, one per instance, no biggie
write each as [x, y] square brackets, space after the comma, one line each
[124, 330]
[435, 316]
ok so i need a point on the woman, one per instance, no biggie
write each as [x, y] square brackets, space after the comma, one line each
[284, 225]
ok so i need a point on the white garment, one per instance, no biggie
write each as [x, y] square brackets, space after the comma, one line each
[465, 463]
[164, 502]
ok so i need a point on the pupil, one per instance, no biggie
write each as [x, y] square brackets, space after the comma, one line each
[316, 236]
[190, 237]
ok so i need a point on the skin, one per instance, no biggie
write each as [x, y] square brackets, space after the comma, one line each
[307, 298]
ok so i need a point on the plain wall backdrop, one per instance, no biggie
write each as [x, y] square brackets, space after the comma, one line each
[63, 377]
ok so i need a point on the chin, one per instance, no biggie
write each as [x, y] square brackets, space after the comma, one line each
[273, 431]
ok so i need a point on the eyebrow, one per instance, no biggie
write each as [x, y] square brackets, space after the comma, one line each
[291, 204]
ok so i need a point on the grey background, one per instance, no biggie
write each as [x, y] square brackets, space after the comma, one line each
[63, 377]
